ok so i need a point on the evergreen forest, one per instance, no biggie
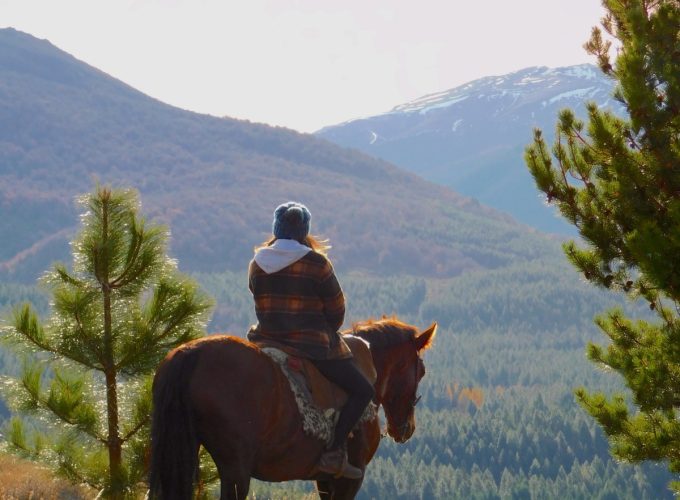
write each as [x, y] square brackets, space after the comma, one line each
[498, 417]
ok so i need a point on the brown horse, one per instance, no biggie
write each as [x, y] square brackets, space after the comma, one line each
[225, 394]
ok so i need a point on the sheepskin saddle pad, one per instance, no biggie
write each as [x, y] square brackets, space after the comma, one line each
[318, 400]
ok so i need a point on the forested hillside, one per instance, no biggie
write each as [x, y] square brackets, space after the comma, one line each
[214, 181]
[498, 417]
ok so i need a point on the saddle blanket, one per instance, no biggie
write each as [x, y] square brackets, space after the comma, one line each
[318, 400]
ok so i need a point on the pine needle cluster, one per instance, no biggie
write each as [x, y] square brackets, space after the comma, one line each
[84, 394]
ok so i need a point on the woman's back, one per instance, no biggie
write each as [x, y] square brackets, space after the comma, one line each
[300, 306]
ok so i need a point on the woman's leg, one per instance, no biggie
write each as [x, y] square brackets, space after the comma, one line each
[345, 374]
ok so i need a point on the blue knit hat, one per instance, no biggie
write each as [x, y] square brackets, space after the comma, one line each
[292, 221]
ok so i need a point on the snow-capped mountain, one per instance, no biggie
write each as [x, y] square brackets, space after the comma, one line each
[472, 137]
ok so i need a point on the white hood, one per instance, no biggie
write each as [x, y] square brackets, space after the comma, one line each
[281, 254]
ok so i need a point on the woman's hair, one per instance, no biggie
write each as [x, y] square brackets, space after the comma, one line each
[313, 242]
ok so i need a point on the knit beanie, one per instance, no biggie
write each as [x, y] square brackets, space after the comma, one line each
[292, 221]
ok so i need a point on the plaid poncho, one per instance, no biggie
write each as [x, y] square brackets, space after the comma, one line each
[299, 308]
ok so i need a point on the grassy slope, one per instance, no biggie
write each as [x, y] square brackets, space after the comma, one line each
[20, 479]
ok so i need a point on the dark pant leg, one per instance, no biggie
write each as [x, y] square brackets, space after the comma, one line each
[343, 373]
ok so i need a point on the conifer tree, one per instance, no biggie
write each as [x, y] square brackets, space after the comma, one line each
[618, 181]
[88, 369]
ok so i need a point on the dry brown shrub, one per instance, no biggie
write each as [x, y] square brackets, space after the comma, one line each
[22, 480]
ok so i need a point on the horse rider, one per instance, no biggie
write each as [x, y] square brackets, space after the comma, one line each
[300, 307]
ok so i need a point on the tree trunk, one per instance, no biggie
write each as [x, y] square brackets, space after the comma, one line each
[114, 443]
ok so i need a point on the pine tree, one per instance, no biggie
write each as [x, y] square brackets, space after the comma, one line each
[618, 182]
[85, 388]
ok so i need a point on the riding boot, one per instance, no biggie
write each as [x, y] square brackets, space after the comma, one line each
[335, 462]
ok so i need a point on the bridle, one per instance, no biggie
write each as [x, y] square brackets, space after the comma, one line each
[416, 396]
[416, 399]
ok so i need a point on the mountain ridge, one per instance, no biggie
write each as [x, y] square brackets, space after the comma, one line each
[471, 137]
[209, 178]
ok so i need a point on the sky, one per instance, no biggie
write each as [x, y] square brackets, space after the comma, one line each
[306, 64]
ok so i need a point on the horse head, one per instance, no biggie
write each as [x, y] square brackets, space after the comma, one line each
[397, 348]
[401, 384]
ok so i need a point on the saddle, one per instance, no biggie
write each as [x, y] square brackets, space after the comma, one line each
[318, 400]
[324, 394]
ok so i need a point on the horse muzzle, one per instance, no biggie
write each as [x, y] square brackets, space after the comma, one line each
[404, 432]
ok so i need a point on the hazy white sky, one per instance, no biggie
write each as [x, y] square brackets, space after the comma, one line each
[305, 64]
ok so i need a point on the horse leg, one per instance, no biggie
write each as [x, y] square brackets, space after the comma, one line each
[234, 491]
[233, 467]
[234, 484]
[345, 489]
[360, 449]
[342, 488]
[338, 489]
[325, 489]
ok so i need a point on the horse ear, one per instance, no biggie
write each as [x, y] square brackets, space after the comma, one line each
[424, 339]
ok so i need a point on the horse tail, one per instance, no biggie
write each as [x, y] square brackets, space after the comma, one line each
[174, 443]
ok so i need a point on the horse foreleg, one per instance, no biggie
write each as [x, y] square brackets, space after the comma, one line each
[360, 449]
[344, 489]
[324, 489]
[338, 489]
[341, 488]
[234, 490]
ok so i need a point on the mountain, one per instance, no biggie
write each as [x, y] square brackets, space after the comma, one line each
[214, 181]
[472, 138]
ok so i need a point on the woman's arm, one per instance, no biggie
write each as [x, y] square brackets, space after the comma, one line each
[332, 297]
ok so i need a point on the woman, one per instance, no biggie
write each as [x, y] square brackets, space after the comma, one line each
[300, 307]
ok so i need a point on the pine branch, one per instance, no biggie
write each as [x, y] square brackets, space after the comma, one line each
[132, 260]
[94, 347]
[135, 429]
[31, 384]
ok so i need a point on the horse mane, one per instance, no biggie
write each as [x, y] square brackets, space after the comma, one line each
[383, 333]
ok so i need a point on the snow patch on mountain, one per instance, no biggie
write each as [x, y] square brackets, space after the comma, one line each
[444, 104]
[529, 80]
[587, 71]
[430, 102]
[517, 85]
[588, 92]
